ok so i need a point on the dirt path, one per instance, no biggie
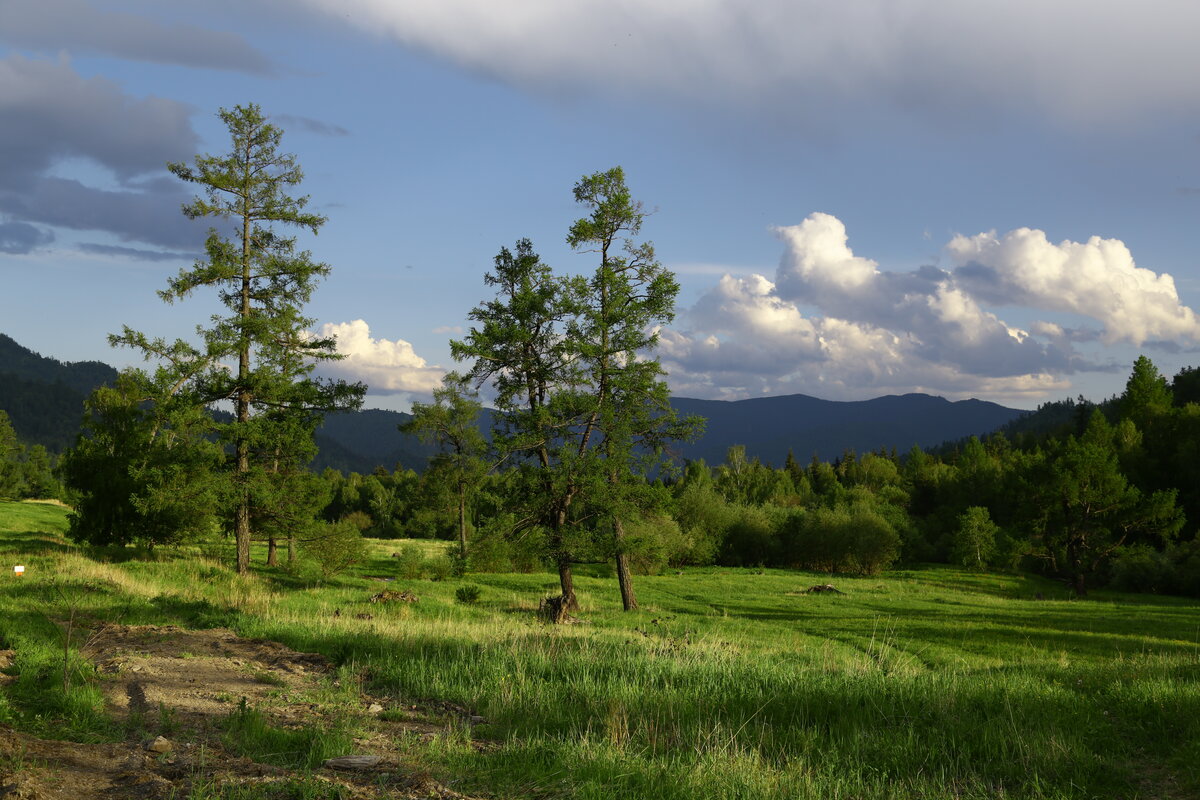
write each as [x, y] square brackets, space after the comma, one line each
[182, 685]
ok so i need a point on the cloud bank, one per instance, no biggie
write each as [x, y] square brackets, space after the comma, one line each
[50, 113]
[1070, 60]
[75, 25]
[876, 331]
[387, 367]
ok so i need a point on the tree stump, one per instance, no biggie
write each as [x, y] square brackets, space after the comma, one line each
[554, 610]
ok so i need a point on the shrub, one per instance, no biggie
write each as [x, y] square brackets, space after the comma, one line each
[750, 540]
[359, 519]
[467, 595]
[438, 568]
[410, 561]
[652, 542]
[840, 539]
[333, 547]
[704, 519]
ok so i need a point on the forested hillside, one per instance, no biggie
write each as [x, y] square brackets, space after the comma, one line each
[44, 397]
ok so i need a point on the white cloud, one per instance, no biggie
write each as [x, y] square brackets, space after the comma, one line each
[1074, 60]
[1097, 278]
[387, 367]
[928, 330]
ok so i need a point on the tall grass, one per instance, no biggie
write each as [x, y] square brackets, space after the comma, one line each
[933, 683]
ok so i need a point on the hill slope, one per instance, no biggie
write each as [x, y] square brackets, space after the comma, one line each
[43, 396]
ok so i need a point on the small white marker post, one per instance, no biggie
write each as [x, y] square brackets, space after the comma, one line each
[18, 571]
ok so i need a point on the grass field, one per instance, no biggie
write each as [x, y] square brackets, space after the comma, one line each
[729, 683]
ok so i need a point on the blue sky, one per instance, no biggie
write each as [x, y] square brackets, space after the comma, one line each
[987, 199]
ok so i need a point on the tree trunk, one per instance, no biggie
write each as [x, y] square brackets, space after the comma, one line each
[1075, 559]
[272, 551]
[567, 582]
[565, 579]
[241, 530]
[462, 521]
[624, 577]
[291, 550]
[242, 478]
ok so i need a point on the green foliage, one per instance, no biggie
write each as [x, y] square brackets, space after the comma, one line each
[40, 483]
[652, 542]
[975, 538]
[852, 539]
[333, 547]
[260, 355]
[410, 561]
[451, 422]
[142, 471]
[1092, 510]
[704, 517]
[10, 468]
[468, 594]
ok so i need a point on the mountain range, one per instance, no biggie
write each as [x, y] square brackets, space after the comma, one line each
[44, 399]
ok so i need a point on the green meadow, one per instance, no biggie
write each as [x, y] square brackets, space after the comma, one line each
[729, 683]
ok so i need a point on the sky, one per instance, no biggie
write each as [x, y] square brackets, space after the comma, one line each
[994, 199]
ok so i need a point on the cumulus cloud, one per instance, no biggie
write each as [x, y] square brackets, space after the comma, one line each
[877, 331]
[1097, 278]
[1072, 60]
[48, 113]
[77, 26]
[387, 367]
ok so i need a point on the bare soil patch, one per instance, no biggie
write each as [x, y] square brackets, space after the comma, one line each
[182, 684]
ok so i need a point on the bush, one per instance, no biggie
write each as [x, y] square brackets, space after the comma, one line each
[1141, 569]
[333, 547]
[652, 542]
[467, 595]
[840, 539]
[410, 561]
[438, 568]
[750, 540]
[359, 519]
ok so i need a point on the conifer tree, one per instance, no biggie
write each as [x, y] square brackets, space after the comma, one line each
[258, 356]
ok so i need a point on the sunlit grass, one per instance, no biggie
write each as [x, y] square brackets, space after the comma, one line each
[727, 684]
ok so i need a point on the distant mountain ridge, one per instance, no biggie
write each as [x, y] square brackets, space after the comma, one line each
[808, 426]
[45, 397]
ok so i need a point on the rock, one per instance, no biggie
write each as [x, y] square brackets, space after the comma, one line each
[823, 588]
[374, 708]
[475, 719]
[353, 762]
[160, 745]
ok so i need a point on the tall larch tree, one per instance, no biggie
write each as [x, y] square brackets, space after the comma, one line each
[260, 355]
[630, 296]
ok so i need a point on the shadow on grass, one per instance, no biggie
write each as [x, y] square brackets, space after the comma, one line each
[34, 543]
